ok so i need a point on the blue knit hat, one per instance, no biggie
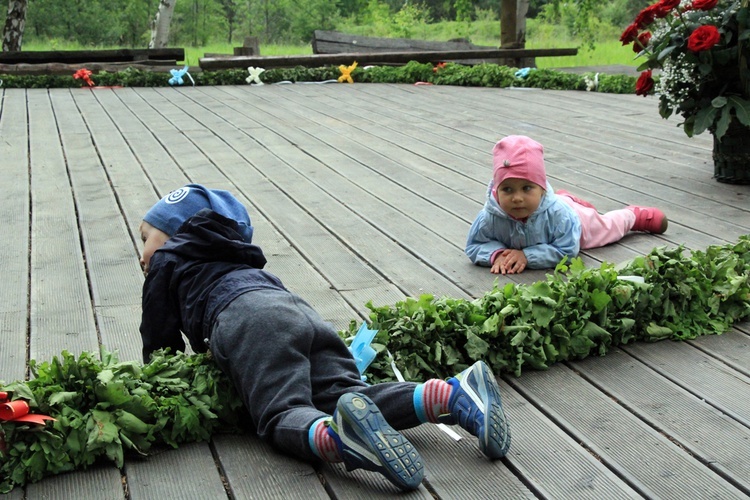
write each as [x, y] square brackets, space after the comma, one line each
[169, 213]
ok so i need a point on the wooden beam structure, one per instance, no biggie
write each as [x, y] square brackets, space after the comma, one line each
[317, 60]
[88, 56]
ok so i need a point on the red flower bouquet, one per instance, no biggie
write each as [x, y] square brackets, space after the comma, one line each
[702, 49]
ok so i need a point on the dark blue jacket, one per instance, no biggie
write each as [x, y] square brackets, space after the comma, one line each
[193, 277]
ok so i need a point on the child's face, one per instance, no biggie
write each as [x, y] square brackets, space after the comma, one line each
[519, 197]
[153, 239]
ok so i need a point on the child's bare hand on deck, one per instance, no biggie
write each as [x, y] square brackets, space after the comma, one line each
[509, 261]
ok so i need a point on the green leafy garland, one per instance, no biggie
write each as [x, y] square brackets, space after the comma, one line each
[576, 312]
[105, 407]
[485, 75]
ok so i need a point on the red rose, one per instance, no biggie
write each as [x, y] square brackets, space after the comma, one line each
[646, 16]
[630, 34]
[641, 41]
[664, 7]
[704, 4]
[703, 38]
[645, 84]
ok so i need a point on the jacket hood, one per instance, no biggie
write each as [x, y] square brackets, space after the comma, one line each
[493, 207]
[209, 236]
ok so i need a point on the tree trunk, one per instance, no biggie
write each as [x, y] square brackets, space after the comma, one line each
[14, 25]
[160, 25]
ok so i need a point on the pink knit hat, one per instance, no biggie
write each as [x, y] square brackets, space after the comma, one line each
[518, 157]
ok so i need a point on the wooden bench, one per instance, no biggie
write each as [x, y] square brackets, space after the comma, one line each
[334, 48]
[434, 57]
[334, 42]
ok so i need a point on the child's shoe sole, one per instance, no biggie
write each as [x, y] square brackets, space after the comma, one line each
[369, 443]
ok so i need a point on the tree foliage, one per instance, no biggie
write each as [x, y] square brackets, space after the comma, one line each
[127, 23]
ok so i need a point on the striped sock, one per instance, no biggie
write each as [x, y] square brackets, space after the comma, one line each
[321, 442]
[431, 399]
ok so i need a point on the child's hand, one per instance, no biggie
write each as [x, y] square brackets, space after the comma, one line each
[509, 262]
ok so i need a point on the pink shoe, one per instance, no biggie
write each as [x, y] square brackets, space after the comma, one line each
[584, 203]
[649, 219]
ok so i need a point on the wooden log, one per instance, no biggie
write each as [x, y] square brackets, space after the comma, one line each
[89, 56]
[317, 60]
[69, 69]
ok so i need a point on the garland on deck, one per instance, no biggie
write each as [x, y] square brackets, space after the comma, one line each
[576, 312]
[104, 408]
[481, 75]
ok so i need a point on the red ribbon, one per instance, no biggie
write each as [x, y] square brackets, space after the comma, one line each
[85, 75]
[18, 411]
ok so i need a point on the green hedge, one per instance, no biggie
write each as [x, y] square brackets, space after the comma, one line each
[482, 75]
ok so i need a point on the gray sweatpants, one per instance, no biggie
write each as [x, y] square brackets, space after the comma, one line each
[290, 368]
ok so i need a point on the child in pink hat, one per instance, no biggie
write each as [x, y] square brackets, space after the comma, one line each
[524, 223]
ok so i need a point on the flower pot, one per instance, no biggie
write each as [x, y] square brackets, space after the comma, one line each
[732, 155]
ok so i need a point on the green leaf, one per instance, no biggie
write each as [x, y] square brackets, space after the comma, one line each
[722, 124]
[476, 348]
[600, 300]
[704, 118]
[741, 108]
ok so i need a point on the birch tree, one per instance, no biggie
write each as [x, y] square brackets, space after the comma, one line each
[15, 22]
[160, 25]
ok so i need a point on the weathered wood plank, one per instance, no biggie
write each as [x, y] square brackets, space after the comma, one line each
[61, 315]
[709, 435]
[732, 348]
[110, 260]
[188, 472]
[255, 470]
[383, 174]
[90, 55]
[458, 469]
[62, 69]
[98, 482]
[719, 385]
[573, 472]
[14, 244]
[643, 457]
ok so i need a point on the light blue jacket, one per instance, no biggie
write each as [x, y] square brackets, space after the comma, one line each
[551, 232]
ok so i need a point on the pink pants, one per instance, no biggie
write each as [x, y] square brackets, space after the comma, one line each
[598, 229]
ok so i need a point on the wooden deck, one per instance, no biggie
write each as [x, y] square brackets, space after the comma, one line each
[366, 192]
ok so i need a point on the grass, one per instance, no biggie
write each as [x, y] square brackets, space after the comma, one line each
[194, 54]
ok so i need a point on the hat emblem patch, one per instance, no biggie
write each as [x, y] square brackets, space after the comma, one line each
[177, 195]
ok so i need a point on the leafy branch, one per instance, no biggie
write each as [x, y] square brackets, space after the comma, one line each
[104, 408]
[576, 312]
